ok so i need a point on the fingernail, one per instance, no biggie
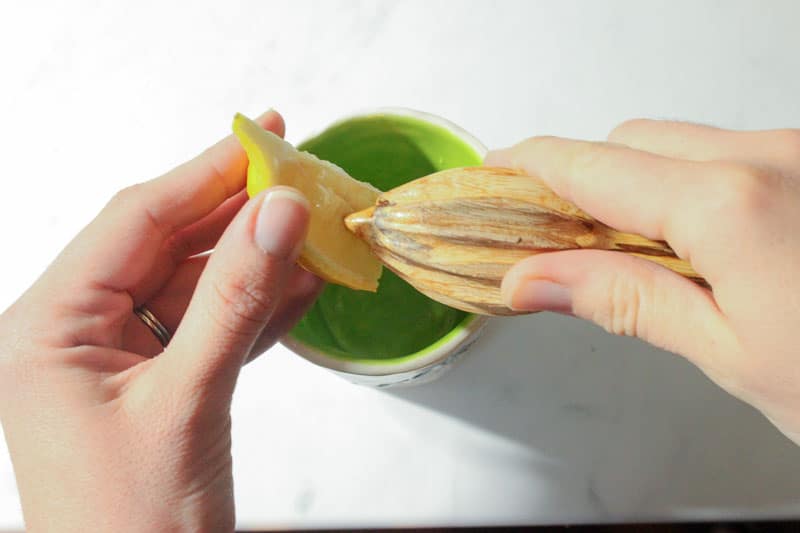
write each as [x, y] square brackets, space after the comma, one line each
[265, 113]
[540, 295]
[282, 222]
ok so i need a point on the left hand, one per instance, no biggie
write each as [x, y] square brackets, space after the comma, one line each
[106, 436]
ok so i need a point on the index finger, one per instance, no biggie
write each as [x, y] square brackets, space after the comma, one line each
[197, 187]
[627, 189]
[118, 248]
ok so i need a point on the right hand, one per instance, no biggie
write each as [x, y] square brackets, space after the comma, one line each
[728, 202]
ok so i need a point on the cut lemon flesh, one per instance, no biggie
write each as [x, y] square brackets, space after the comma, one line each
[331, 251]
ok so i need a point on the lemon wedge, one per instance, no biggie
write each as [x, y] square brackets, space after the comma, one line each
[331, 251]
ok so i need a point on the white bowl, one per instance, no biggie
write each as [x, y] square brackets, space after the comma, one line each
[430, 362]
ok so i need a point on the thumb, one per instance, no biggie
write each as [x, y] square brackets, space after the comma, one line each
[624, 294]
[238, 292]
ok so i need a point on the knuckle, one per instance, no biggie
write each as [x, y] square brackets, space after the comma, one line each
[529, 150]
[135, 200]
[626, 129]
[742, 192]
[621, 311]
[244, 304]
[542, 139]
[536, 145]
[177, 247]
[543, 142]
[587, 157]
[786, 142]
[127, 196]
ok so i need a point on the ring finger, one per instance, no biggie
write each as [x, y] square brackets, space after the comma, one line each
[170, 304]
[779, 149]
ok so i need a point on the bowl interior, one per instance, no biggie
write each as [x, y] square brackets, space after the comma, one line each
[397, 323]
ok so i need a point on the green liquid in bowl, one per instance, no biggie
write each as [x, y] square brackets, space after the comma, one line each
[397, 321]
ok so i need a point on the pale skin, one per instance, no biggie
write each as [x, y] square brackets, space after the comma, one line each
[728, 202]
[105, 436]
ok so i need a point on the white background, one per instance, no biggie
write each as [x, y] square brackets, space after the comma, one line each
[548, 419]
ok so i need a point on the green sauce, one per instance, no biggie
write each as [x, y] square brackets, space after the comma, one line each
[385, 150]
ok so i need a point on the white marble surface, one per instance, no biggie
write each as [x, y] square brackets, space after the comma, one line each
[548, 419]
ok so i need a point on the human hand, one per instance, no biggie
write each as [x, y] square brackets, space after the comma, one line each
[727, 202]
[104, 436]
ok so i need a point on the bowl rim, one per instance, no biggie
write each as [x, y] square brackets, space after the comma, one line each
[457, 337]
[443, 347]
